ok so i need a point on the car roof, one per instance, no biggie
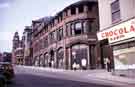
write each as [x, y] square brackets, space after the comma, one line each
[5, 63]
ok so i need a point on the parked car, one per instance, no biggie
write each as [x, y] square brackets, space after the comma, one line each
[2, 80]
[7, 70]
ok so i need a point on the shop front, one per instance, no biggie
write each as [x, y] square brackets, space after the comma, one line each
[121, 38]
[79, 56]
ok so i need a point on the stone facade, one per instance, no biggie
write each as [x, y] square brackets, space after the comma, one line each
[27, 40]
[116, 15]
[68, 39]
[17, 50]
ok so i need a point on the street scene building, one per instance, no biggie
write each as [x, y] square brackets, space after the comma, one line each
[6, 57]
[75, 38]
[1, 57]
[87, 43]
[17, 50]
[117, 25]
[67, 40]
[27, 42]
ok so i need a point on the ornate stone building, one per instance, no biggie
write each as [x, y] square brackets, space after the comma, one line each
[27, 37]
[17, 50]
[69, 38]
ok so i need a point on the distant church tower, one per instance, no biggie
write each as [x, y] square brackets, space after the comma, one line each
[16, 41]
[15, 44]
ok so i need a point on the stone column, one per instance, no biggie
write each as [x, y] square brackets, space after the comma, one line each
[85, 8]
[69, 12]
[77, 10]
[98, 55]
[88, 59]
[55, 59]
[64, 15]
[69, 58]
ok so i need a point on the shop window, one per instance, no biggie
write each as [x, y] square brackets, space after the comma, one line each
[131, 44]
[60, 58]
[115, 10]
[124, 45]
[79, 52]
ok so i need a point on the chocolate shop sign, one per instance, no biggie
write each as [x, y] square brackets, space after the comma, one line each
[119, 32]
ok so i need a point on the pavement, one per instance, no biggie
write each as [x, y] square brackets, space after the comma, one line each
[98, 74]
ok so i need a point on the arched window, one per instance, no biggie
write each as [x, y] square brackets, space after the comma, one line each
[37, 61]
[46, 60]
[41, 60]
[60, 57]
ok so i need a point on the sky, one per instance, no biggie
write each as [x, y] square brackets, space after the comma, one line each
[16, 14]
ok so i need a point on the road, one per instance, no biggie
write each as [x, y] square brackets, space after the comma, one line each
[29, 78]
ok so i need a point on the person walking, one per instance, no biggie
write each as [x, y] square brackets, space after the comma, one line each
[108, 64]
[83, 61]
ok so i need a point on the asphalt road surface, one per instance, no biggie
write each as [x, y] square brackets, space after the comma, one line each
[33, 77]
[27, 80]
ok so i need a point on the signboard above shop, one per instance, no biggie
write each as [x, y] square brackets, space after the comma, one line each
[119, 32]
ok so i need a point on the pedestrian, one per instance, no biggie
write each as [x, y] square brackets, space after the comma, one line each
[83, 61]
[74, 66]
[50, 64]
[108, 64]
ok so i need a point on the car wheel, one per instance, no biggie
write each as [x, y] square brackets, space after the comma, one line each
[2, 84]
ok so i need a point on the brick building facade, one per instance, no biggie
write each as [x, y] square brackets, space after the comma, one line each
[69, 38]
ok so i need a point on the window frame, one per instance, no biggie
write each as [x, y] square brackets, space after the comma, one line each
[80, 29]
[115, 9]
[60, 34]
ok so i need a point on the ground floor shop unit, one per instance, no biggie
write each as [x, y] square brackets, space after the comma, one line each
[78, 55]
[121, 38]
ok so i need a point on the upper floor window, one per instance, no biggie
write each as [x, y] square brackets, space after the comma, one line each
[86, 26]
[78, 28]
[81, 9]
[46, 41]
[52, 37]
[115, 10]
[68, 29]
[60, 34]
[73, 11]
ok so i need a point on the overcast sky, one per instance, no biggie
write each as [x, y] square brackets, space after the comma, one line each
[16, 14]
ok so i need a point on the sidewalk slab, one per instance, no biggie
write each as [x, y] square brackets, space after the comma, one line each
[109, 76]
[100, 74]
